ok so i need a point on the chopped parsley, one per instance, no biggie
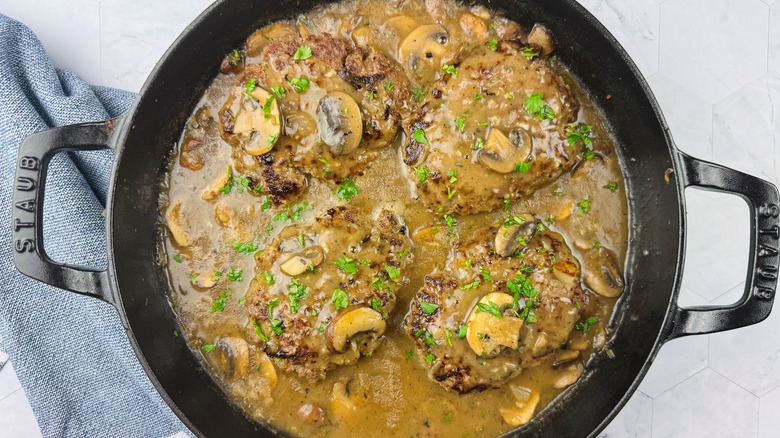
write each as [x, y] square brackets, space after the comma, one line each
[428, 308]
[376, 304]
[479, 144]
[208, 348]
[611, 186]
[472, 285]
[297, 292]
[216, 276]
[462, 331]
[177, 258]
[266, 204]
[451, 69]
[242, 301]
[513, 220]
[493, 44]
[588, 154]
[371, 95]
[453, 175]
[529, 52]
[346, 190]
[378, 283]
[300, 84]
[485, 274]
[409, 354]
[419, 136]
[271, 305]
[536, 107]
[250, 85]
[580, 132]
[509, 96]
[523, 167]
[234, 58]
[303, 53]
[347, 265]
[583, 206]
[277, 327]
[460, 123]
[430, 358]
[259, 331]
[403, 253]
[245, 247]
[491, 308]
[340, 299]
[521, 286]
[278, 90]
[392, 272]
[421, 173]
[268, 277]
[267, 106]
[450, 193]
[301, 243]
[586, 325]
[389, 86]
[218, 305]
[418, 94]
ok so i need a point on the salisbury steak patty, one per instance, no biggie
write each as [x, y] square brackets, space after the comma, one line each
[508, 298]
[495, 126]
[323, 290]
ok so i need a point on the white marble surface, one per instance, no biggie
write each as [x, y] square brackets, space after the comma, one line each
[714, 66]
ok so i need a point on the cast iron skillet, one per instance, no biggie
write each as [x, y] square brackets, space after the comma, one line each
[143, 138]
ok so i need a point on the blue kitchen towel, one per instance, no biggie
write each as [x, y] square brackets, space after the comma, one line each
[70, 352]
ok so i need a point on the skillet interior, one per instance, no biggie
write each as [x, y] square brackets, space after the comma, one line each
[154, 125]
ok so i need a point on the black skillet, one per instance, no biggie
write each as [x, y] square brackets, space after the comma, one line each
[646, 317]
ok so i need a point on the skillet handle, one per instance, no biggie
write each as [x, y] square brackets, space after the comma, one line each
[761, 283]
[35, 154]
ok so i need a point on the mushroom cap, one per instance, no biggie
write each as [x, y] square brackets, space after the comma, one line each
[421, 52]
[259, 120]
[350, 322]
[340, 122]
[296, 265]
[233, 356]
[501, 153]
[604, 275]
[506, 241]
[496, 332]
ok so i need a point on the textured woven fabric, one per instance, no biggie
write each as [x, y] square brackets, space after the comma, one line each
[70, 352]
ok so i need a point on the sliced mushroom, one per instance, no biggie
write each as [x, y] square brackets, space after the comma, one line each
[487, 334]
[603, 274]
[473, 26]
[222, 214]
[258, 120]
[266, 368]
[510, 239]
[402, 25]
[422, 50]
[312, 414]
[340, 122]
[541, 38]
[565, 357]
[203, 280]
[233, 357]
[342, 403]
[351, 322]
[566, 271]
[568, 376]
[307, 259]
[523, 410]
[176, 225]
[501, 153]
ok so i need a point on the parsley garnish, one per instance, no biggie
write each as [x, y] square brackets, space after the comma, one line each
[422, 174]
[303, 52]
[523, 167]
[389, 86]
[536, 106]
[297, 292]
[460, 123]
[451, 69]
[271, 139]
[392, 272]
[611, 186]
[529, 52]
[376, 304]
[279, 90]
[419, 136]
[268, 277]
[462, 331]
[479, 144]
[491, 308]
[219, 304]
[234, 58]
[244, 247]
[580, 132]
[177, 258]
[208, 348]
[485, 274]
[340, 299]
[586, 325]
[472, 285]
[418, 94]
[509, 96]
[347, 265]
[493, 44]
[428, 308]
[583, 206]
[346, 190]
[300, 84]
[259, 331]
[250, 85]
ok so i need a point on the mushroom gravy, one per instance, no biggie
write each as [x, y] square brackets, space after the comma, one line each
[402, 218]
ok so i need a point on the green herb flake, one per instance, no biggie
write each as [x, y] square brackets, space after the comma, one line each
[250, 85]
[303, 53]
[479, 144]
[208, 348]
[430, 358]
[271, 139]
[583, 206]
[580, 132]
[535, 106]
[218, 305]
[588, 154]
[462, 330]
[371, 95]
[451, 69]
[419, 95]
[409, 354]
[428, 308]
[234, 58]
[485, 275]
[611, 186]
[523, 167]
[216, 276]
[446, 418]
[177, 258]
[419, 136]
[346, 190]
[403, 253]
[376, 303]
[492, 44]
[347, 265]
[242, 301]
[421, 173]
[509, 96]
[267, 106]
[529, 52]
[277, 327]
[259, 331]
[389, 86]
[235, 274]
[378, 283]
[597, 245]
[340, 299]
[244, 248]
[450, 193]
[472, 285]
[392, 272]
[477, 97]
[300, 84]
[278, 90]
[460, 123]
[296, 293]
[491, 308]
[586, 325]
